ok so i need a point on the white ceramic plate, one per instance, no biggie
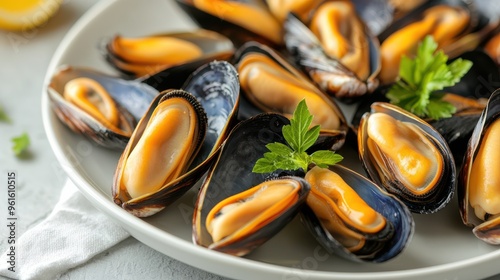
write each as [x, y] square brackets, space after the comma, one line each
[441, 248]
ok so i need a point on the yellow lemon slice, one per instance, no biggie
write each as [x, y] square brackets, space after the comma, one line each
[21, 15]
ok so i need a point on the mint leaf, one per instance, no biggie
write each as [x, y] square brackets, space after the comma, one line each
[292, 155]
[21, 143]
[421, 77]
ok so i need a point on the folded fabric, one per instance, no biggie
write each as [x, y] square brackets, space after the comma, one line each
[73, 233]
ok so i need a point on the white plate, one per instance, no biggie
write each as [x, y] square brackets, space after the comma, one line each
[441, 248]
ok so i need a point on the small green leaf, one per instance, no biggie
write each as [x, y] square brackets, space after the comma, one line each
[3, 116]
[459, 68]
[438, 109]
[310, 137]
[325, 158]
[279, 148]
[21, 143]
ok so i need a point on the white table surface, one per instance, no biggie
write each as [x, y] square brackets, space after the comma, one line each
[24, 59]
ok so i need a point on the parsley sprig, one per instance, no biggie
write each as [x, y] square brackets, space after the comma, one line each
[292, 155]
[420, 78]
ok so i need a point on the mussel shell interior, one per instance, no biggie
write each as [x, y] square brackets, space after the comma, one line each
[151, 203]
[444, 189]
[489, 115]
[308, 53]
[212, 45]
[132, 100]
[232, 174]
[386, 204]
[237, 34]
[135, 97]
[329, 139]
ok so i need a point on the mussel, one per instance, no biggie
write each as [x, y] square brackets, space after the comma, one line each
[101, 107]
[241, 21]
[160, 152]
[408, 157]
[479, 181]
[256, 206]
[302, 9]
[457, 26]
[272, 84]
[145, 56]
[492, 48]
[352, 217]
[176, 141]
[337, 51]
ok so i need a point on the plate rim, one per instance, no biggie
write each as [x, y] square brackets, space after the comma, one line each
[132, 223]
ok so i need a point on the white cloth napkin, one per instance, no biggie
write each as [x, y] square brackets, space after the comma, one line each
[73, 233]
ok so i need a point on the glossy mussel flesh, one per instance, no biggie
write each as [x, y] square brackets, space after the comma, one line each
[99, 106]
[177, 140]
[145, 56]
[352, 217]
[270, 84]
[406, 156]
[238, 210]
[241, 21]
[335, 49]
[160, 151]
[456, 26]
[479, 179]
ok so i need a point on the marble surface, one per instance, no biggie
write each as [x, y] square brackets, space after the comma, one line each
[24, 58]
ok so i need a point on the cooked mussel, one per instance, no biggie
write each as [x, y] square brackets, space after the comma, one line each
[302, 8]
[232, 194]
[479, 180]
[272, 84]
[336, 51]
[241, 21]
[492, 48]
[160, 152]
[241, 215]
[457, 26]
[177, 140]
[145, 56]
[406, 156]
[353, 218]
[102, 107]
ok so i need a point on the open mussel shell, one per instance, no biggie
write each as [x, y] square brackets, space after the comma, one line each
[215, 89]
[270, 84]
[380, 246]
[241, 21]
[128, 99]
[478, 186]
[145, 56]
[463, 30]
[327, 72]
[216, 86]
[408, 157]
[231, 174]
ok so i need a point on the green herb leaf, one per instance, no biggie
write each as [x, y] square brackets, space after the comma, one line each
[326, 158]
[292, 155]
[421, 77]
[3, 116]
[21, 143]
